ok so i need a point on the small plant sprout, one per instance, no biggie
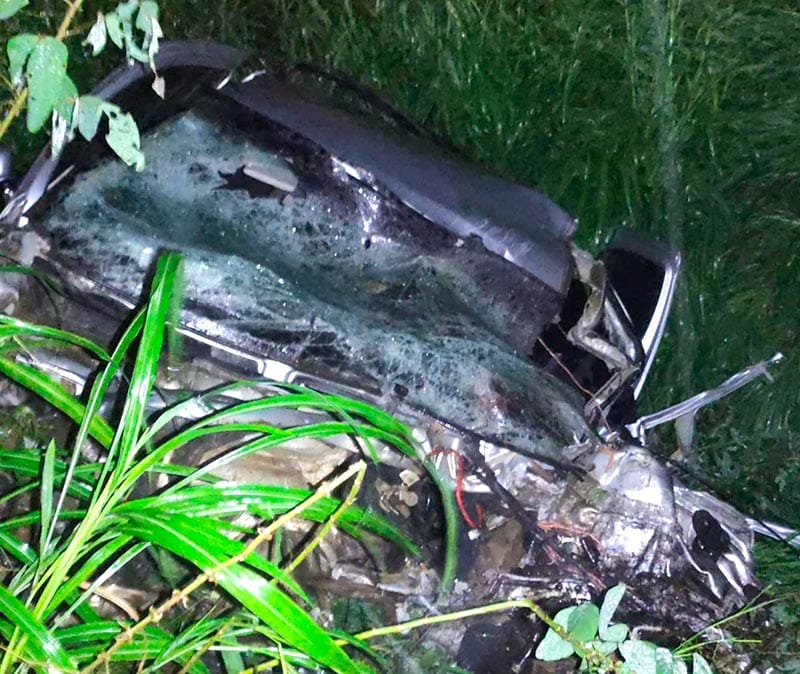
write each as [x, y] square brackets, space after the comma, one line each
[37, 67]
[588, 631]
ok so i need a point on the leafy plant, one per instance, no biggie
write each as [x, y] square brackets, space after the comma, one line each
[588, 631]
[90, 522]
[37, 66]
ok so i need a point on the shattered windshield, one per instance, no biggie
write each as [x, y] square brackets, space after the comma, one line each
[298, 256]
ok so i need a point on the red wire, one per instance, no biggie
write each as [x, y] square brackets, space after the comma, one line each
[460, 489]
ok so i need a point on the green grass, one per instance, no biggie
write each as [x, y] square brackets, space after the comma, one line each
[70, 523]
[781, 635]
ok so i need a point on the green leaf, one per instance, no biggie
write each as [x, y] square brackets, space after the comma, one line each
[233, 661]
[41, 277]
[229, 500]
[365, 648]
[45, 71]
[603, 647]
[607, 609]
[615, 634]
[27, 464]
[147, 22]
[62, 116]
[148, 12]
[583, 622]
[17, 548]
[123, 136]
[65, 106]
[145, 365]
[102, 630]
[207, 533]
[41, 645]
[90, 110]
[10, 7]
[96, 568]
[32, 517]
[126, 10]
[700, 665]
[46, 498]
[97, 35]
[134, 51]
[199, 635]
[665, 661]
[553, 647]
[640, 656]
[679, 666]
[100, 387]
[14, 328]
[57, 396]
[88, 641]
[274, 607]
[19, 49]
[114, 29]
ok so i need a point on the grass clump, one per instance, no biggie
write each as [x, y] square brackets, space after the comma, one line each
[84, 520]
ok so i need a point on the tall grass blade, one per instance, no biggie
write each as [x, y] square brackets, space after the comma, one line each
[15, 329]
[44, 279]
[57, 396]
[17, 548]
[40, 645]
[145, 365]
[89, 569]
[233, 661]
[178, 535]
[86, 642]
[26, 463]
[227, 500]
[210, 533]
[47, 521]
[199, 636]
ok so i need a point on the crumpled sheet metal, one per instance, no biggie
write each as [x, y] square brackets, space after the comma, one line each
[514, 221]
[628, 518]
[684, 553]
[624, 518]
[655, 523]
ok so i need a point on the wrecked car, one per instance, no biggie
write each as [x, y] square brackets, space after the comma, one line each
[327, 246]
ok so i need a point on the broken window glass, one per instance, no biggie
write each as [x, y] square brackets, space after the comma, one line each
[290, 254]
